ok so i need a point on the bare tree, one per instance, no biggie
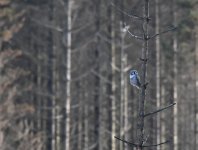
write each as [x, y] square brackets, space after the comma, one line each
[142, 94]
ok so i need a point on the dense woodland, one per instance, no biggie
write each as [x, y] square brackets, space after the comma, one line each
[64, 74]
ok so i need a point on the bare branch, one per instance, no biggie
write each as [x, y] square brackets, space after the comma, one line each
[48, 25]
[135, 36]
[131, 16]
[129, 143]
[151, 113]
[156, 144]
[100, 76]
[165, 31]
[85, 74]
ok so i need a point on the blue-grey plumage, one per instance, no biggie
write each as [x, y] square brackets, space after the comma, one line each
[135, 79]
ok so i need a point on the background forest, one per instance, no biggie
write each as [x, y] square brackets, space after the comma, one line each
[64, 74]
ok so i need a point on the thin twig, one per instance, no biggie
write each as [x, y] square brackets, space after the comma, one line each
[129, 143]
[131, 16]
[151, 113]
[135, 36]
[165, 31]
[156, 144]
[136, 145]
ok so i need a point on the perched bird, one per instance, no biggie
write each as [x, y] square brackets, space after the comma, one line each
[135, 79]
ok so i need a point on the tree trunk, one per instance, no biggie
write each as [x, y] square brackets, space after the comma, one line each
[122, 82]
[68, 74]
[126, 103]
[113, 80]
[158, 96]
[144, 57]
[196, 88]
[80, 120]
[175, 71]
[97, 79]
[54, 81]
[163, 123]
[86, 123]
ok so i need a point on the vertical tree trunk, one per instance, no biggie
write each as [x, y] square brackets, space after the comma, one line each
[49, 75]
[157, 43]
[54, 80]
[175, 71]
[54, 102]
[124, 92]
[68, 74]
[196, 88]
[144, 57]
[123, 101]
[38, 97]
[113, 64]
[80, 118]
[126, 112]
[97, 79]
[86, 126]
[163, 128]
[122, 82]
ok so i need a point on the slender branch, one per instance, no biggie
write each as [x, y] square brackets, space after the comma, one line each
[135, 36]
[151, 113]
[129, 143]
[131, 16]
[136, 145]
[165, 31]
[156, 144]
[100, 76]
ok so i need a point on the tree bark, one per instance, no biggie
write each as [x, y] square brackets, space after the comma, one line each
[68, 74]
[163, 123]
[113, 79]
[175, 84]
[196, 87]
[126, 103]
[123, 104]
[158, 96]
[97, 79]
[144, 58]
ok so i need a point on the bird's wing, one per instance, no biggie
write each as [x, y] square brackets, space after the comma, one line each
[138, 80]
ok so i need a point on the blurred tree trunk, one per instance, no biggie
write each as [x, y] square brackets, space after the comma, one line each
[122, 88]
[113, 76]
[126, 102]
[196, 87]
[158, 68]
[175, 72]
[163, 123]
[80, 118]
[86, 122]
[68, 74]
[124, 123]
[54, 82]
[97, 102]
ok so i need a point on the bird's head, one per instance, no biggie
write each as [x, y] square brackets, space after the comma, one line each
[133, 72]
